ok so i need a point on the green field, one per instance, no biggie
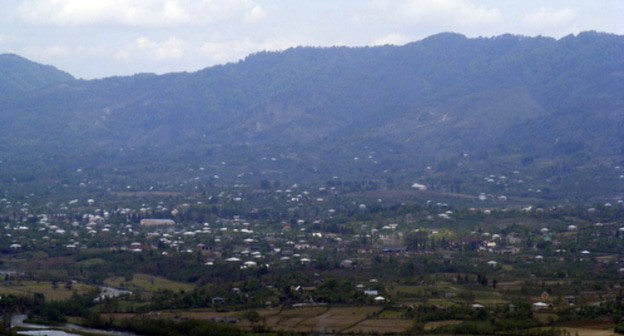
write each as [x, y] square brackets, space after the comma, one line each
[148, 283]
[28, 288]
[364, 319]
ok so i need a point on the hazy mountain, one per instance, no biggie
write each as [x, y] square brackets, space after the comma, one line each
[19, 75]
[465, 107]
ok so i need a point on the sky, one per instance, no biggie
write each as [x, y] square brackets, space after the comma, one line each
[101, 38]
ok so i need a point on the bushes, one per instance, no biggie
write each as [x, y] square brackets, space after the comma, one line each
[56, 312]
[47, 314]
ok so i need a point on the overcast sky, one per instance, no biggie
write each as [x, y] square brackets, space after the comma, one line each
[98, 38]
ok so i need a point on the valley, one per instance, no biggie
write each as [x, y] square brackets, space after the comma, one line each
[373, 190]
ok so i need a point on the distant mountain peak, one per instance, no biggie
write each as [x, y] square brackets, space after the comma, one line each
[446, 37]
[18, 74]
[10, 56]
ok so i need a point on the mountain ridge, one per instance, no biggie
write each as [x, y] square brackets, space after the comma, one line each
[508, 102]
[20, 75]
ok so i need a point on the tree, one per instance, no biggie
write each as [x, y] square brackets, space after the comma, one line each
[416, 240]
[252, 316]
[482, 279]
[39, 299]
[265, 184]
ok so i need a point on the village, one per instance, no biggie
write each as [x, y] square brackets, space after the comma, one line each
[316, 260]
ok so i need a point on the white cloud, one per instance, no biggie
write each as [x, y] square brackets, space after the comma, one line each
[256, 14]
[457, 11]
[139, 13]
[174, 12]
[393, 39]
[546, 18]
[47, 53]
[234, 50]
[122, 55]
[56, 51]
[380, 4]
[79, 12]
[172, 48]
[221, 52]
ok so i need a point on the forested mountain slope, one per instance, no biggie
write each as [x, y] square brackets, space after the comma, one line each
[463, 107]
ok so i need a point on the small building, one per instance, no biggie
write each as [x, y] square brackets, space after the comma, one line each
[394, 249]
[540, 306]
[347, 263]
[379, 299]
[218, 300]
[250, 264]
[570, 299]
[513, 240]
[157, 222]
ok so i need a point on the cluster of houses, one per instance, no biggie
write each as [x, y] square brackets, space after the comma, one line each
[253, 243]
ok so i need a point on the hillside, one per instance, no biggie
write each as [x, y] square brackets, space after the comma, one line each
[19, 75]
[447, 110]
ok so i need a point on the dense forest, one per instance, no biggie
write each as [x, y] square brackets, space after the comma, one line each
[444, 109]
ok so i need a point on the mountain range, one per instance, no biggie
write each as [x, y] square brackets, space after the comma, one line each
[448, 111]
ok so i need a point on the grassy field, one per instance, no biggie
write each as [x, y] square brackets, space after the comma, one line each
[590, 332]
[290, 319]
[546, 317]
[410, 290]
[437, 324]
[391, 314]
[197, 314]
[488, 297]
[92, 262]
[342, 320]
[148, 283]
[511, 286]
[441, 302]
[590, 329]
[381, 326]
[28, 288]
[409, 294]
[337, 319]
[357, 320]
[309, 319]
